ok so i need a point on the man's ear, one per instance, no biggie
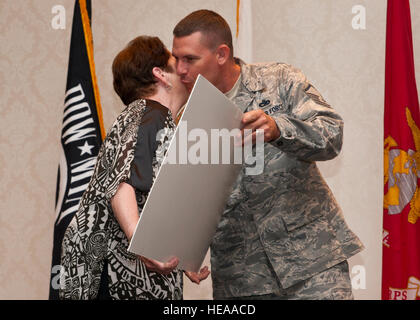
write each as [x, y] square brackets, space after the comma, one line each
[222, 54]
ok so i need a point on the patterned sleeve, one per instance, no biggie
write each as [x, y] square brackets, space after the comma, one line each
[311, 130]
[141, 172]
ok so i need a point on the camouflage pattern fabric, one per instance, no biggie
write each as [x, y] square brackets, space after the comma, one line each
[331, 284]
[282, 226]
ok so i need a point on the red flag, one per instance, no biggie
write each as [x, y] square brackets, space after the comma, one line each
[401, 223]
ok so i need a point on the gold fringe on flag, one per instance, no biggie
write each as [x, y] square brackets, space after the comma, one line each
[89, 47]
[238, 5]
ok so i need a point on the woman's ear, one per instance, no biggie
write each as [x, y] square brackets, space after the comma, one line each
[159, 75]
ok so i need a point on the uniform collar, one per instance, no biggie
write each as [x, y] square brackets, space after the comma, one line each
[249, 78]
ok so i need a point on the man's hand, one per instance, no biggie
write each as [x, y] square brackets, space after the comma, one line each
[198, 277]
[257, 119]
[160, 267]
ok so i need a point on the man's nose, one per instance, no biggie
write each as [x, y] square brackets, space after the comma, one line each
[181, 68]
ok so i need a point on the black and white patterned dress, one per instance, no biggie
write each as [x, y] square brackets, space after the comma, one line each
[132, 152]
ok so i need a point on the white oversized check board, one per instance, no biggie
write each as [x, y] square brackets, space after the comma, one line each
[186, 201]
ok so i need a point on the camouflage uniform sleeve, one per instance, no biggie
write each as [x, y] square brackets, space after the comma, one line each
[310, 129]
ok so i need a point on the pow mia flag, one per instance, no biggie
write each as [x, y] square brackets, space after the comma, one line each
[82, 132]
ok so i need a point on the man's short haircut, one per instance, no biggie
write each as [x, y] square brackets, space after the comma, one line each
[214, 28]
[132, 68]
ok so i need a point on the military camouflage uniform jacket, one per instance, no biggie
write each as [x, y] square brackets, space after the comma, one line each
[282, 226]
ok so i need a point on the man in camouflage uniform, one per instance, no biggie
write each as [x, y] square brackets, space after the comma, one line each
[282, 234]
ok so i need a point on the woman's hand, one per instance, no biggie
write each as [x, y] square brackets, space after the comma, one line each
[198, 277]
[160, 267]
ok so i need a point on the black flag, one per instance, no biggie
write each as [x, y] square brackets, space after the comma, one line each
[82, 132]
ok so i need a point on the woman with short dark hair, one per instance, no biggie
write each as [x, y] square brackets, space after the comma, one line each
[95, 259]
